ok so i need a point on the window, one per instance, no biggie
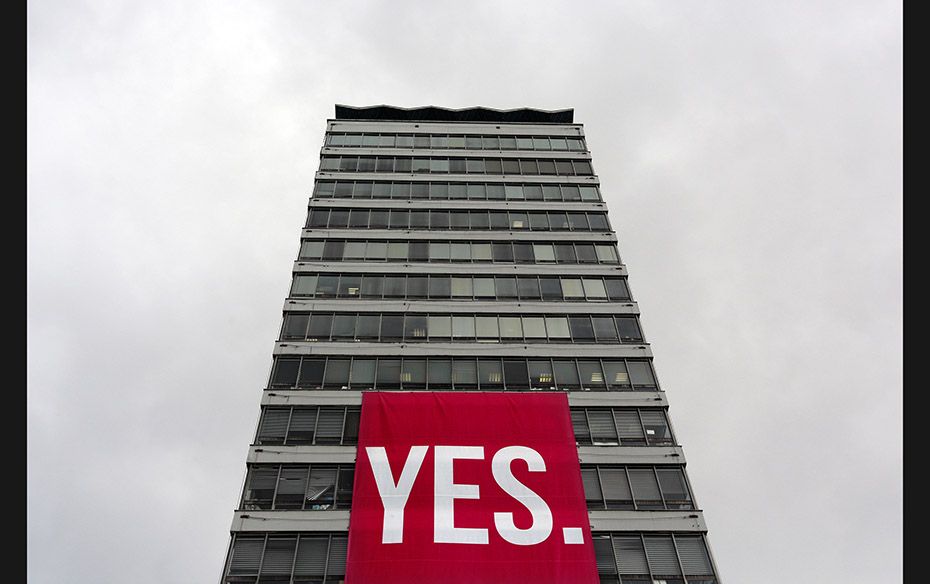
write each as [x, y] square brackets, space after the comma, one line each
[343, 372]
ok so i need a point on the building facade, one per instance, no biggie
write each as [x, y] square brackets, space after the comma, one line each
[461, 250]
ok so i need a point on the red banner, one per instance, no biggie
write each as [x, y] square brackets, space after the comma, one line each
[468, 488]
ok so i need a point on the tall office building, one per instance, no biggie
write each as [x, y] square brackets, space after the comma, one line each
[465, 251]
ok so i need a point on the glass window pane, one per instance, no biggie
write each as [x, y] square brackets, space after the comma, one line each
[440, 327]
[616, 374]
[533, 192]
[529, 167]
[311, 250]
[565, 253]
[458, 220]
[594, 289]
[415, 328]
[534, 327]
[320, 327]
[503, 252]
[528, 288]
[551, 288]
[578, 221]
[546, 167]
[419, 190]
[570, 193]
[417, 287]
[337, 374]
[566, 376]
[557, 327]
[478, 220]
[344, 327]
[397, 250]
[541, 374]
[505, 287]
[582, 330]
[583, 167]
[604, 329]
[508, 143]
[400, 219]
[641, 374]
[463, 327]
[392, 327]
[388, 373]
[311, 373]
[510, 166]
[439, 219]
[598, 222]
[591, 375]
[461, 252]
[438, 191]
[339, 219]
[368, 327]
[395, 286]
[519, 221]
[285, 372]
[304, 286]
[511, 328]
[474, 165]
[440, 374]
[295, 326]
[523, 253]
[476, 191]
[464, 373]
[461, 288]
[349, 286]
[496, 192]
[377, 251]
[490, 375]
[589, 194]
[515, 374]
[439, 252]
[333, 250]
[413, 373]
[486, 327]
[558, 221]
[499, 220]
[586, 253]
[457, 142]
[481, 252]
[318, 218]
[617, 290]
[539, 221]
[362, 374]
[440, 287]
[492, 166]
[327, 286]
[674, 490]
[355, 250]
[419, 219]
[606, 254]
[551, 193]
[513, 192]
[564, 168]
[572, 289]
[543, 252]
[629, 330]
[484, 287]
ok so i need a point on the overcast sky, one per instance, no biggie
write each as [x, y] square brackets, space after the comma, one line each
[749, 152]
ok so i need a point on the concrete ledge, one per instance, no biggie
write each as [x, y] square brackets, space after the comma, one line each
[647, 521]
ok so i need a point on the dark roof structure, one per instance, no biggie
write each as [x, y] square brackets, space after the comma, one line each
[441, 114]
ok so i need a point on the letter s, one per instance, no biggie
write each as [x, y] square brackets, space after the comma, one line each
[542, 516]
